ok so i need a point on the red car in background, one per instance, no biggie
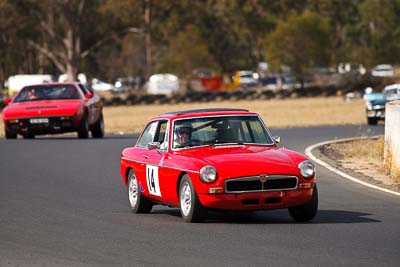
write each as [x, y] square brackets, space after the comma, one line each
[53, 108]
[220, 159]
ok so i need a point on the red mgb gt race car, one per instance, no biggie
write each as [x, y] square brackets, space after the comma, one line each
[53, 108]
[220, 159]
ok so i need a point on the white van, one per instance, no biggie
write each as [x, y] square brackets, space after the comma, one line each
[16, 82]
[163, 84]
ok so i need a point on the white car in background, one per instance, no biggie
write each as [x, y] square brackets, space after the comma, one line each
[392, 92]
[16, 82]
[163, 84]
[383, 70]
[101, 86]
[248, 78]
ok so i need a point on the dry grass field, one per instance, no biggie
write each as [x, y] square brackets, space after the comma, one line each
[275, 113]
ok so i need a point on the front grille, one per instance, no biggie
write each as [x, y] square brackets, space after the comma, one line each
[55, 124]
[254, 184]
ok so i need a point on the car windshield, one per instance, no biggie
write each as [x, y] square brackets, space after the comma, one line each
[217, 130]
[47, 92]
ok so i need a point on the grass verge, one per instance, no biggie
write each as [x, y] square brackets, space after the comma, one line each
[363, 156]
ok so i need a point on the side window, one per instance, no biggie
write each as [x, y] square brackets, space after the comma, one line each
[156, 131]
[148, 135]
[161, 134]
[84, 89]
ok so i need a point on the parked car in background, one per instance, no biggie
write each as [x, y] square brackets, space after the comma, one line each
[163, 84]
[392, 92]
[53, 108]
[126, 84]
[81, 78]
[100, 86]
[248, 78]
[383, 70]
[219, 159]
[16, 82]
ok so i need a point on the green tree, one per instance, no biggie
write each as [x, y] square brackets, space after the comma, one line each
[342, 16]
[379, 33]
[65, 32]
[301, 42]
[186, 52]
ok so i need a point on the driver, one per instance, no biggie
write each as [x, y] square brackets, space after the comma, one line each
[182, 135]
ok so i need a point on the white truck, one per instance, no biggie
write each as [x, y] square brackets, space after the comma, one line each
[16, 82]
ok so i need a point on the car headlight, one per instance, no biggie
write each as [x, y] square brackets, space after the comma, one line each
[208, 174]
[307, 169]
[369, 105]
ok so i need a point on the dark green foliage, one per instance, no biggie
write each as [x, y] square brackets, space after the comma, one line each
[108, 37]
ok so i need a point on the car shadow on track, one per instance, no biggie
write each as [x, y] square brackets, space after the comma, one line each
[278, 217]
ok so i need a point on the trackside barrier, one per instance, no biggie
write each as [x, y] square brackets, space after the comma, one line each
[208, 96]
[138, 98]
[392, 138]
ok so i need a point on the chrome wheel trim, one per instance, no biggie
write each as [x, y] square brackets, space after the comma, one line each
[186, 199]
[133, 191]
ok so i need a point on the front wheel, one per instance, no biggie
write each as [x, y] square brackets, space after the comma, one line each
[138, 203]
[10, 135]
[190, 206]
[98, 128]
[307, 211]
[28, 135]
[83, 131]
[372, 121]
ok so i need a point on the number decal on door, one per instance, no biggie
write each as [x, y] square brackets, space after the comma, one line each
[152, 180]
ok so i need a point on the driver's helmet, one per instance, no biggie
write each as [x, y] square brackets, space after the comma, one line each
[184, 129]
[183, 134]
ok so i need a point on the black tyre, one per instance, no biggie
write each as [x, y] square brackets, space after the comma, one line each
[138, 203]
[28, 135]
[190, 206]
[98, 128]
[372, 121]
[83, 131]
[307, 211]
[10, 135]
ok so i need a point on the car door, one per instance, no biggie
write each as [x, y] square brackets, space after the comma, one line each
[154, 157]
[93, 105]
[149, 171]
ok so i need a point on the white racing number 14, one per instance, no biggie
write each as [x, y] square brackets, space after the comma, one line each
[152, 180]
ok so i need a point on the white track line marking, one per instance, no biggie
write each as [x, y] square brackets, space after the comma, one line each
[335, 170]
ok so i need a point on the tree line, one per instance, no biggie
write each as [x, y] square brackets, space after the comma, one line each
[119, 38]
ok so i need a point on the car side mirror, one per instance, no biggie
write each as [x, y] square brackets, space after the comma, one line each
[277, 139]
[153, 145]
[7, 100]
[88, 95]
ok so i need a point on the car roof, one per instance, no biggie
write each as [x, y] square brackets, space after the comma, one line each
[202, 112]
[383, 66]
[392, 86]
[53, 83]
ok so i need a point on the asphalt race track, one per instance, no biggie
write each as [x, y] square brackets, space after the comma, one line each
[63, 203]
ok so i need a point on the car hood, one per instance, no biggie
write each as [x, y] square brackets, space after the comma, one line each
[42, 108]
[244, 160]
[376, 99]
